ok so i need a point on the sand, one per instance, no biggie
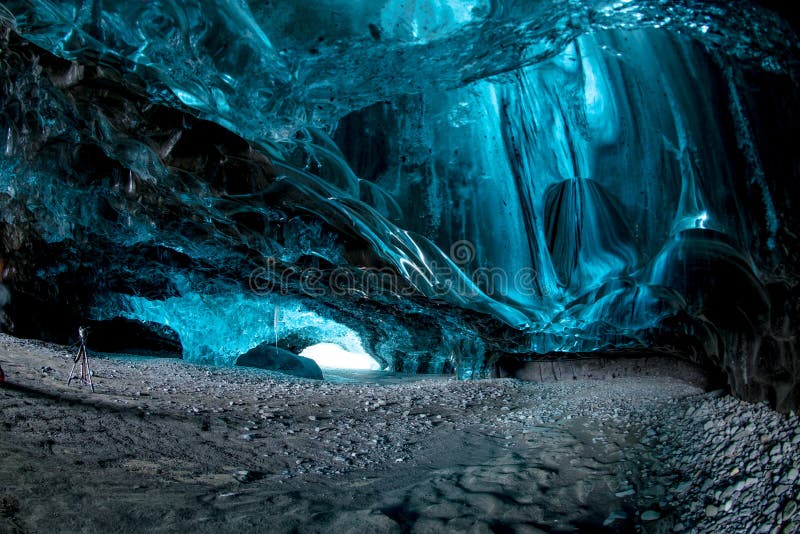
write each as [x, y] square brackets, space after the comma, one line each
[164, 445]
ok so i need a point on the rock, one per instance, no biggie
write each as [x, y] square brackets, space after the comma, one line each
[789, 510]
[791, 476]
[654, 492]
[246, 476]
[650, 515]
[727, 506]
[711, 511]
[267, 356]
[613, 516]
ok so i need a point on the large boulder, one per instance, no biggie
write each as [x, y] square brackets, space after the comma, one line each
[268, 356]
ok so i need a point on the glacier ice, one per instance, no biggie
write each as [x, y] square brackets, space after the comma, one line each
[437, 184]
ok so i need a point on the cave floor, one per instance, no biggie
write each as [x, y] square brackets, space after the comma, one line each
[164, 445]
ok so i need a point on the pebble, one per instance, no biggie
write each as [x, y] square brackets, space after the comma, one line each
[613, 516]
[791, 476]
[650, 515]
[245, 476]
[789, 510]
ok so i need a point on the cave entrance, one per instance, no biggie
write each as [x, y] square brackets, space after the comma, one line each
[333, 356]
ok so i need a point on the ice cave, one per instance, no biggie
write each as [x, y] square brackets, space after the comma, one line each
[399, 266]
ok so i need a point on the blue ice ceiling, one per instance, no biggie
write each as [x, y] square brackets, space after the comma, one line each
[447, 182]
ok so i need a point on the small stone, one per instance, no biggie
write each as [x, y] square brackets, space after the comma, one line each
[791, 476]
[730, 490]
[711, 511]
[613, 516]
[789, 510]
[244, 476]
[727, 506]
[650, 515]
[626, 493]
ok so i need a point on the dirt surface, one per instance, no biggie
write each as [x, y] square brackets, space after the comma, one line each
[163, 445]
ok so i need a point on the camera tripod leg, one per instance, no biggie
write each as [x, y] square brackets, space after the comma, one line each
[72, 371]
[88, 370]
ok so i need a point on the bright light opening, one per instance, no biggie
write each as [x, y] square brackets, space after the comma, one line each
[332, 356]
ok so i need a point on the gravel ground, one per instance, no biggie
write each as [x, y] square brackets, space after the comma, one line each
[725, 466]
[165, 445]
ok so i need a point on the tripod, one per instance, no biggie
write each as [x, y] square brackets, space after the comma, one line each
[83, 358]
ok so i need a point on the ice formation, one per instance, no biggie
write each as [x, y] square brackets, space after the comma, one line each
[445, 181]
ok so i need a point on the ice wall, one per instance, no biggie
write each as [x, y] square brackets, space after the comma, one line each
[584, 168]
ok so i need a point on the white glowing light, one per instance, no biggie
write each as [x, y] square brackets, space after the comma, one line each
[700, 221]
[332, 356]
